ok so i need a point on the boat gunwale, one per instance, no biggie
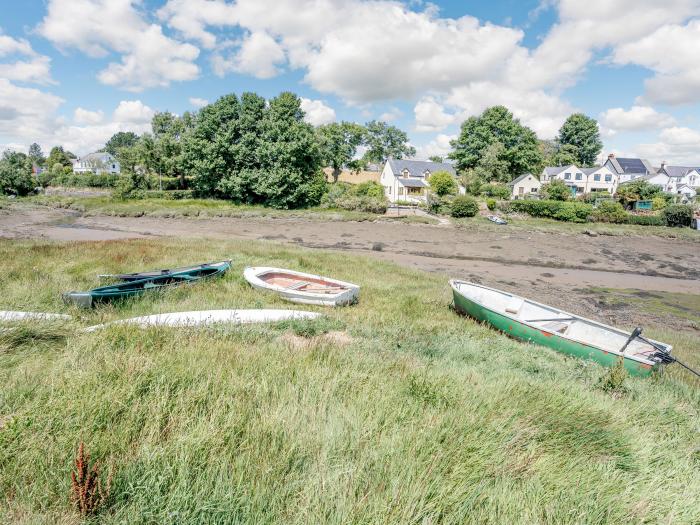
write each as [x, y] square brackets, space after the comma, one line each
[252, 275]
[152, 274]
[633, 357]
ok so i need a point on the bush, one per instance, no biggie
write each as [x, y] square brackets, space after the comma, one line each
[499, 191]
[131, 186]
[491, 204]
[646, 220]
[174, 195]
[16, 174]
[559, 210]
[658, 203]
[677, 215]
[556, 190]
[610, 211]
[464, 206]
[362, 203]
[442, 183]
[90, 180]
[368, 188]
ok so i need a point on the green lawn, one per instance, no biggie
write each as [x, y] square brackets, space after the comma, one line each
[395, 410]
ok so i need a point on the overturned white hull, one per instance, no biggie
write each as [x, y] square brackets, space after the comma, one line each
[209, 317]
[40, 316]
[303, 288]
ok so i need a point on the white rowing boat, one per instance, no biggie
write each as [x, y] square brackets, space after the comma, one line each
[23, 316]
[210, 317]
[301, 287]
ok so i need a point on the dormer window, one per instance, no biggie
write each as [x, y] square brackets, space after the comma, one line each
[426, 174]
[405, 173]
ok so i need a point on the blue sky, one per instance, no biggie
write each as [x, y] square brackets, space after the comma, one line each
[73, 72]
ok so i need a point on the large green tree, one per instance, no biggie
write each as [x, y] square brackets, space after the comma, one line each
[255, 152]
[384, 141]
[581, 132]
[36, 155]
[339, 142]
[521, 150]
[16, 173]
[121, 139]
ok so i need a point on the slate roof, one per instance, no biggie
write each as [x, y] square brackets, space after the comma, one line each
[98, 156]
[678, 171]
[518, 179]
[588, 171]
[416, 168]
[631, 165]
[556, 170]
[413, 183]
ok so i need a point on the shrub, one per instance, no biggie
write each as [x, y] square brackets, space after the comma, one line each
[368, 188]
[362, 203]
[16, 174]
[658, 203]
[559, 210]
[677, 215]
[646, 220]
[556, 190]
[499, 191]
[174, 195]
[442, 183]
[90, 180]
[491, 204]
[610, 211]
[131, 186]
[464, 206]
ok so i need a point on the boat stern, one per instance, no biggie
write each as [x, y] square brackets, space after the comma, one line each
[80, 299]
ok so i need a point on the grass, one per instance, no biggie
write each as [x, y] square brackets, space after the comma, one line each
[191, 208]
[416, 415]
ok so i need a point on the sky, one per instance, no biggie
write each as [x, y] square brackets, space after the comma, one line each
[74, 72]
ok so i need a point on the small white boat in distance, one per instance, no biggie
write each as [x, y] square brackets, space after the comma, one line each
[22, 316]
[211, 317]
[301, 287]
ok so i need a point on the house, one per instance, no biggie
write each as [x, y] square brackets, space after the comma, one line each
[98, 163]
[583, 180]
[628, 169]
[673, 177]
[407, 180]
[526, 184]
[686, 192]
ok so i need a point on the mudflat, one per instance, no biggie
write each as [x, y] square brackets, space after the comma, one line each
[558, 268]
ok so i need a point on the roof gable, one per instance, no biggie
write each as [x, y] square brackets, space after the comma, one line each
[522, 177]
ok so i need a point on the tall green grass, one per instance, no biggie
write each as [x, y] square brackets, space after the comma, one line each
[417, 416]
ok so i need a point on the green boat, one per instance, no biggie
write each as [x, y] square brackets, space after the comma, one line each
[136, 287]
[561, 331]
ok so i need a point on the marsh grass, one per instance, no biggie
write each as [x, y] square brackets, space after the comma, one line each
[421, 416]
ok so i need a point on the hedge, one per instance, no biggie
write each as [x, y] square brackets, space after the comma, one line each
[560, 210]
[464, 206]
[646, 220]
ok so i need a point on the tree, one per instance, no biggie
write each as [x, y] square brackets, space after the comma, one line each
[255, 152]
[36, 155]
[637, 190]
[493, 165]
[384, 141]
[567, 155]
[338, 142]
[521, 149]
[442, 183]
[581, 132]
[16, 174]
[58, 154]
[121, 139]
[556, 190]
[436, 158]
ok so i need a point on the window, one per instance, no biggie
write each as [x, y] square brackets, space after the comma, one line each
[400, 191]
[533, 190]
[567, 176]
[405, 173]
[579, 176]
[608, 178]
[596, 178]
[114, 166]
[521, 190]
[389, 190]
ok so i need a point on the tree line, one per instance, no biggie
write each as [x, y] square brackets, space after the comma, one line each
[257, 151]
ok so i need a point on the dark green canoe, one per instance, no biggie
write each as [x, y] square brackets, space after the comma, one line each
[136, 287]
[561, 331]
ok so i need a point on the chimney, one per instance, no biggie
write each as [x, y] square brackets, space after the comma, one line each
[611, 156]
[663, 164]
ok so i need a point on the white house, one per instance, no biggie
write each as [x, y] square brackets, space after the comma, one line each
[407, 180]
[628, 169]
[673, 177]
[583, 180]
[525, 185]
[98, 163]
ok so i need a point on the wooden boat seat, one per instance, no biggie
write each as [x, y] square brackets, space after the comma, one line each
[556, 326]
[514, 305]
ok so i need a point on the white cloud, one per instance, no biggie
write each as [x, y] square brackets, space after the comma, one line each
[133, 112]
[33, 67]
[84, 116]
[191, 17]
[637, 118]
[317, 113]
[198, 102]
[431, 116]
[439, 146]
[25, 113]
[257, 55]
[675, 145]
[95, 27]
[672, 53]
[391, 115]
